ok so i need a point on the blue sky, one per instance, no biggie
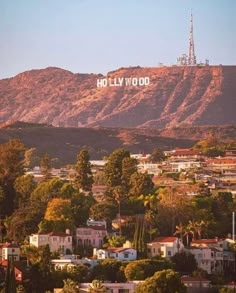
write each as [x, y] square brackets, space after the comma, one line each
[91, 36]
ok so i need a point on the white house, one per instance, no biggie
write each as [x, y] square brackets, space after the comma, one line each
[10, 250]
[213, 255]
[91, 235]
[71, 261]
[119, 253]
[164, 246]
[57, 241]
[208, 259]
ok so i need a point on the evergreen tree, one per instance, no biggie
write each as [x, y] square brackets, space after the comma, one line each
[113, 167]
[84, 176]
[11, 167]
[10, 284]
[45, 165]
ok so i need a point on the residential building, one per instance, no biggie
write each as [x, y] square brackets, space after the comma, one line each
[57, 241]
[185, 154]
[213, 255]
[10, 250]
[119, 253]
[196, 284]
[164, 246]
[91, 236]
[178, 166]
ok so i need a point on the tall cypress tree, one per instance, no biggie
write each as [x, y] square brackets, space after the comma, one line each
[10, 284]
[83, 176]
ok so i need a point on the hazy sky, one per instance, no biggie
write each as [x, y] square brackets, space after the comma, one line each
[99, 36]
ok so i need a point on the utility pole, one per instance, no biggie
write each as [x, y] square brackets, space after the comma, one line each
[233, 226]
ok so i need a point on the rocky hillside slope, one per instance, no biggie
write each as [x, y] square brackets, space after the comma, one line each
[175, 96]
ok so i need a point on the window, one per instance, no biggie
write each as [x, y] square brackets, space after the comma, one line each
[126, 255]
[68, 239]
[169, 253]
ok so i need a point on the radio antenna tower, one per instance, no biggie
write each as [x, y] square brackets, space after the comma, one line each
[191, 54]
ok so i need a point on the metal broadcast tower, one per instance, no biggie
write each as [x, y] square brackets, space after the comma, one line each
[191, 53]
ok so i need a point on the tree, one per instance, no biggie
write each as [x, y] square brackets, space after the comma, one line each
[58, 209]
[45, 166]
[141, 184]
[109, 269]
[59, 212]
[97, 287]
[116, 241]
[10, 284]
[139, 235]
[129, 166]
[144, 268]
[24, 220]
[47, 190]
[165, 281]
[113, 167]
[180, 230]
[80, 207]
[83, 176]
[70, 286]
[185, 262]
[103, 211]
[24, 185]
[11, 167]
[157, 155]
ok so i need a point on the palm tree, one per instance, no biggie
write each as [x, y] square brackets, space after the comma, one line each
[180, 230]
[70, 286]
[188, 231]
[199, 227]
[97, 287]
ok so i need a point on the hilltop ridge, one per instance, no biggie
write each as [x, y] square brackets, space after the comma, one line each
[176, 95]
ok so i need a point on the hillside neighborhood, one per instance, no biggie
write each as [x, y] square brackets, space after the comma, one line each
[119, 223]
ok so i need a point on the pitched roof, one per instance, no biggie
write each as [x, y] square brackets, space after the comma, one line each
[10, 245]
[164, 239]
[59, 234]
[97, 227]
[193, 279]
[206, 241]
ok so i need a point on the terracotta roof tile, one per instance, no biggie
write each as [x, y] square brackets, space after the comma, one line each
[164, 239]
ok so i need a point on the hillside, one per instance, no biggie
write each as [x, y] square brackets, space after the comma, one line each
[175, 96]
[63, 144]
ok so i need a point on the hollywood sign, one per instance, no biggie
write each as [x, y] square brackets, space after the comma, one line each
[123, 81]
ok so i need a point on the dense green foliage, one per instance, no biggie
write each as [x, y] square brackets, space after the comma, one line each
[83, 176]
[165, 281]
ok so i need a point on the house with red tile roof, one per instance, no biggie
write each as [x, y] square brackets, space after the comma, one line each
[9, 249]
[57, 241]
[164, 246]
[213, 255]
[196, 284]
[119, 253]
